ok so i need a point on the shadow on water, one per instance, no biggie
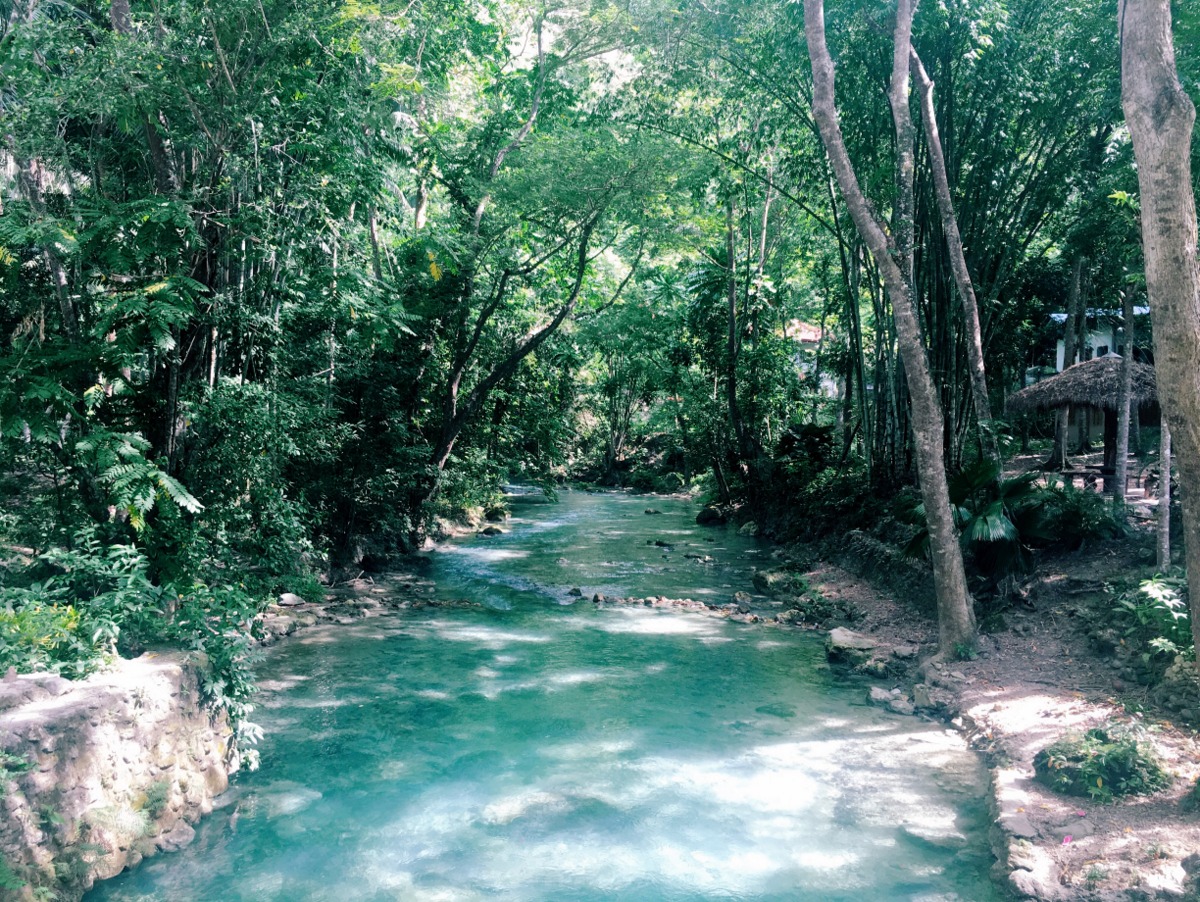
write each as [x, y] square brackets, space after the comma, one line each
[544, 752]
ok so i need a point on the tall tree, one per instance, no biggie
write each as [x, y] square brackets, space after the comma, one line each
[1161, 117]
[958, 264]
[956, 619]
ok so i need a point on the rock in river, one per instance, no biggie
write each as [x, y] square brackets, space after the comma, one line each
[847, 647]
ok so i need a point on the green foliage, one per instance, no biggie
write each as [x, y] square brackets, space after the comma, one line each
[100, 600]
[1154, 614]
[1102, 763]
[997, 518]
[832, 501]
[10, 766]
[1191, 799]
[1073, 516]
[39, 634]
[1002, 519]
[216, 622]
[157, 796]
[8, 878]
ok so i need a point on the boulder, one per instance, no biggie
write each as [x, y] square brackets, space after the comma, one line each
[772, 582]
[291, 600]
[877, 695]
[749, 528]
[901, 706]
[576, 592]
[491, 531]
[650, 511]
[844, 646]
[710, 516]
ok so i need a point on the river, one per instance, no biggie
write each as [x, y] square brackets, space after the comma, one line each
[545, 748]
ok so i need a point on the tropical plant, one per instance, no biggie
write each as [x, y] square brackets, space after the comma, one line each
[1155, 614]
[1103, 763]
[998, 518]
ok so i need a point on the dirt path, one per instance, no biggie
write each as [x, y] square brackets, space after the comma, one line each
[1031, 683]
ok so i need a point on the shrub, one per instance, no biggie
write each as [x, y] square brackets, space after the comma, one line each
[1075, 516]
[830, 502]
[99, 601]
[1002, 520]
[1102, 763]
[1155, 614]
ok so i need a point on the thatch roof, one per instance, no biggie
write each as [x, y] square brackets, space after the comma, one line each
[1093, 383]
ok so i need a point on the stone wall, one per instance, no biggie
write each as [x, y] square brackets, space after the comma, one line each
[97, 775]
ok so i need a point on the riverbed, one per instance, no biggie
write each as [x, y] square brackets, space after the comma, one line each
[540, 747]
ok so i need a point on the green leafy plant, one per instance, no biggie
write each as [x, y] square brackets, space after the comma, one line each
[998, 518]
[157, 795]
[10, 766]
[1002, 519]
[1155, 614]
[1073, 516]
[1103, 763]
[8, 877]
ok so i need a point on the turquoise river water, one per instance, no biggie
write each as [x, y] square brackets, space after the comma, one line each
[545, 748]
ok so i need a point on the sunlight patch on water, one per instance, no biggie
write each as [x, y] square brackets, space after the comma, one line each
[655, 624]
[489, 637]
[578, 677]
[825, 860]
[586, 751]
[507, 810]
[282, 798]
[490, 555]
[735, 784]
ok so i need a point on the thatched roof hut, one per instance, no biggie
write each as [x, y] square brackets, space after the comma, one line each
[1093, 383]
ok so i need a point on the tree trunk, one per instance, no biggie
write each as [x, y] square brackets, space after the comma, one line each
[1164, 499]
[731, 338]
[1058, 457]
[1121, 468]
[958, 264]
[1161, 115]
[29, 176]
[956, 619]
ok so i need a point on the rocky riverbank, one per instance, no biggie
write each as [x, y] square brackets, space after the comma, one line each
[1031, 683]
[98, 774]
